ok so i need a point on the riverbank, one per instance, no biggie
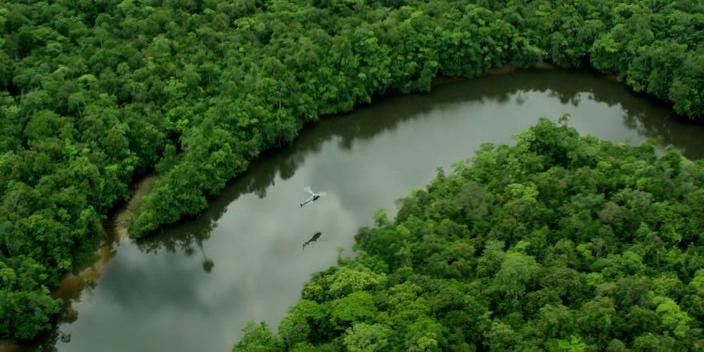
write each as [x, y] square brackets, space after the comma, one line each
[442, 291]
[503, 70]
[512, 69]
[247, 81]
[115, 230]
[253, 231]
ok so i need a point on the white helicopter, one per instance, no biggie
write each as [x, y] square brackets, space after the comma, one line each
[313, 196]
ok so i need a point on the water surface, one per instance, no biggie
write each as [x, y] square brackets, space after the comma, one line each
[193, 286]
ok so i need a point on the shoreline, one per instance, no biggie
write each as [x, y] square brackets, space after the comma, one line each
[73, 284]
[511, 68]
[503, 70]
[116, 228]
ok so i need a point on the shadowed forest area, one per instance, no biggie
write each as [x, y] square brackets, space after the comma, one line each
[96, 94]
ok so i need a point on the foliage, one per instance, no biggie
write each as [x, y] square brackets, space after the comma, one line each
[582, 245]
[94, 94]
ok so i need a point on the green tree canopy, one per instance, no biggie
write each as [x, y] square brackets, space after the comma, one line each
[96, 94]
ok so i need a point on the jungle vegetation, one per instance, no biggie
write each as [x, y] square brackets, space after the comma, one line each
[97, 93]
[559, 243]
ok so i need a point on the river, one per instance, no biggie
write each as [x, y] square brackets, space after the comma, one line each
[191, 287]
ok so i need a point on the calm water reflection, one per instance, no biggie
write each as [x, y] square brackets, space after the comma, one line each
[192, 287]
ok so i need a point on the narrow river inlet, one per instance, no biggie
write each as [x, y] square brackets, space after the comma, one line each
[192, 287]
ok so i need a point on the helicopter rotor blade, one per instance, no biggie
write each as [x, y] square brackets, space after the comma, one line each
[307, 189]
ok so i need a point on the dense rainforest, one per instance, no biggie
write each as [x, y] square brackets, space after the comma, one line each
[559, 243]
[97, 93]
